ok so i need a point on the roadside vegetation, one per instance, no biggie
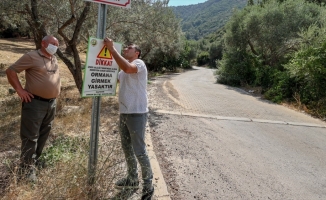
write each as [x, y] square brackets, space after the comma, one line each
[272, 48]
[280, 47]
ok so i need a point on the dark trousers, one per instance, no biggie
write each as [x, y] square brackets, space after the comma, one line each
[132, 133]
[36, 122]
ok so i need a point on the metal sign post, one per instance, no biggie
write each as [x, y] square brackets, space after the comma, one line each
[102, 12]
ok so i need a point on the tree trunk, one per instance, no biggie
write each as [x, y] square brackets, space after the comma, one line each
[75, 71]
[75, 68]
[38, 28]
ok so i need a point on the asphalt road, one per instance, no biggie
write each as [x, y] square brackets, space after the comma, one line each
[217, 142]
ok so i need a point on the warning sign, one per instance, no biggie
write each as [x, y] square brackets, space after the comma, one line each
[104, 53]
[101, 70]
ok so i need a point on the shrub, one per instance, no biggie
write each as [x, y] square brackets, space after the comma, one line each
[308, 68]
[203, 58]
[236, 68]
[283, 87]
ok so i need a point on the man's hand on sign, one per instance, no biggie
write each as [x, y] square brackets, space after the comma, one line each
[125, 63]
[109, 44]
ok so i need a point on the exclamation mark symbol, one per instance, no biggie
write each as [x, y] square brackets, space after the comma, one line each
[105, 51]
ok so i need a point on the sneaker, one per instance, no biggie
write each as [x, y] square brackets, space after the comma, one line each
[40, 164]
[147, 194]
[126, 183]
[28, 174]
[31, 175]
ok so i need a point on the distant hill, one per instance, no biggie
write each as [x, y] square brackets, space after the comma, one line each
[204, 18]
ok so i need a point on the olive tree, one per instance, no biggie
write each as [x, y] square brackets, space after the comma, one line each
[11, 22]
[259, 39]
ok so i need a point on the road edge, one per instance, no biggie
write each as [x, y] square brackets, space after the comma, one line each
[161, 191]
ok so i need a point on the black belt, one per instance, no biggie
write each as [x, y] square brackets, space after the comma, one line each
[42, 99]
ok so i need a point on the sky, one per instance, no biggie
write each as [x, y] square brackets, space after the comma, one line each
[184, 2]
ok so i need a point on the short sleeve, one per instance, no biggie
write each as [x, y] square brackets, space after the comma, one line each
[140, 65]
[22, 63]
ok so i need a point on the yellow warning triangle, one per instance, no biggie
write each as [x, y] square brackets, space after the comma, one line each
[104, 53]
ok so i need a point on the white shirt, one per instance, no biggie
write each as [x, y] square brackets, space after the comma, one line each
[133, 90]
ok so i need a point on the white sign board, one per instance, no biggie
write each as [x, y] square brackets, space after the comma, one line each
[119, 3]
[101, 70]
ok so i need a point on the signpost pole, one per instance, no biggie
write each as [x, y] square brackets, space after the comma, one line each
[94, 134]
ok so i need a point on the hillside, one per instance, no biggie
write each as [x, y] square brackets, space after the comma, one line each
[204, 18]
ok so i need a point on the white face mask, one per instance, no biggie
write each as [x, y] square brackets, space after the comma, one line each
[51, 49]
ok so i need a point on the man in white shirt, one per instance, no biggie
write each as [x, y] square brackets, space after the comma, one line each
[133, 116]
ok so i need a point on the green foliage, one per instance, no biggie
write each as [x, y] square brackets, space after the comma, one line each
[279, 45]
[269, 34]
[282, 88]
[271, 30]
[12, 24]
[304, 78]
[203, 58]
[236, 68]
[264, 75]
[235, 37]
[215, 46]
[188, 53]
[319, 2]
[63, 149]
[205, 18]
[204, 23]
[250, 3]
[10, 32]
[308, 68]
[167, 60]
[203, 45]
[215, 53]
[164, 62]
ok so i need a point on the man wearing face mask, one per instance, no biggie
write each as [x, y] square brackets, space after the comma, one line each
[38, 98]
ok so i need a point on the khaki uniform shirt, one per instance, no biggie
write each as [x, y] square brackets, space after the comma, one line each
[41, 74]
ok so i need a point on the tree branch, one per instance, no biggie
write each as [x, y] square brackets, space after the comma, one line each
[252, 48]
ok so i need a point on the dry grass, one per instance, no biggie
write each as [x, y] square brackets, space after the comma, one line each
[66, 153]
